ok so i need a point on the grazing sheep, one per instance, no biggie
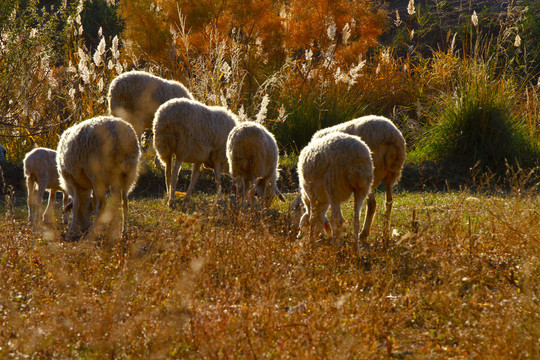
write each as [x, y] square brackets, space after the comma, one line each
[136, 95]
[330, 169]
[93, 156]
[253, 160]
[40, 170]
[194, 133]
[3, 154]
[388, 148]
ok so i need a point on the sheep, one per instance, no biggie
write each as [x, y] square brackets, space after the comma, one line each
[194, 133]
[3, 154]
[388, 149]
[40, 170]
[253, 160]
[93, 156]
[330, 169]
[136, 95]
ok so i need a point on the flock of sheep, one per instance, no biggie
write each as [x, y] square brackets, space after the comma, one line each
[104, 153]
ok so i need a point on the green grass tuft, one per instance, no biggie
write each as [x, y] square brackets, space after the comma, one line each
[479, 126]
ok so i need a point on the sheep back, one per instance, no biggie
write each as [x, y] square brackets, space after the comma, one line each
[99, 153]
[383, 139]
[335, 165]
[196, 133]
[136, 95]
[252, 152]
[40, 165]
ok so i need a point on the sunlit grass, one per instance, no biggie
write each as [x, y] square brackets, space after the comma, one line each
[208, 281]
[204, 280]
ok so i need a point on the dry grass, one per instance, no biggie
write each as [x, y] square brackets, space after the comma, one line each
[461, 281]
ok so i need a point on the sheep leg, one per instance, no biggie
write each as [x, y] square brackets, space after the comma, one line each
[173, 177]
[371, 205]
[241, 184]
[76, 204]
[217, 173]
[194, 176]
[88, 206]
[387, 213]
[48, 215]
[125, 209]
[80, 220]
[31, 200]
[358, 202]
[337, 222]
[313, 220]
[99, 196]
[302, 211]
[318, 218]
[312, 211]
[168, 168]
[117, 198]
[39, 197]
[65, 201]
[297, 209]
[250, 193]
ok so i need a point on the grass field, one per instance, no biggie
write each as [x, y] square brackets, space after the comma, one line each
[461, 277]
[460, 280]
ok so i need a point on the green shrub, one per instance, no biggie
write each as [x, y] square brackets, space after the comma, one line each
[100, 14]
[312, 110]
[478, 125]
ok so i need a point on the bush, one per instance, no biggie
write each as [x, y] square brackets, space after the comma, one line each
[479, 125]
[49, 79]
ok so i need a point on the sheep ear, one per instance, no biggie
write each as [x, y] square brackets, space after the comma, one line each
[280, 195]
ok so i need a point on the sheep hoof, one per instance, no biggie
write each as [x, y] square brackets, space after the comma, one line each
[72, 237]
[171, 203]
[362, 245]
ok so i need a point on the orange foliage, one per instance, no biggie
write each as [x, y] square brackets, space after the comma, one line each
[145, 26]
[351, 26]
[254, 24]
[267, 29]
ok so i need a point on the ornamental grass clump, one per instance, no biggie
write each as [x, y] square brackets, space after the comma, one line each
[479, 125]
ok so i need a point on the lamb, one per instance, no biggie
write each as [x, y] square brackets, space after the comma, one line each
[330, 169]
[93, 156]
[40, 170]
[253, 160]
[194, 133]
[388, 150]
[3, 154]
[136, 95]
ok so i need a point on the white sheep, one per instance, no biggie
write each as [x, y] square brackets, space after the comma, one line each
[94, 156]
[40, 171]
[3, 154]
[330, 169]
[253, 160]
[388, 149]
[136, 95]
[194, 133]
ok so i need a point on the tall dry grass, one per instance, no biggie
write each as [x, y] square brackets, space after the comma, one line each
[459, 281]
